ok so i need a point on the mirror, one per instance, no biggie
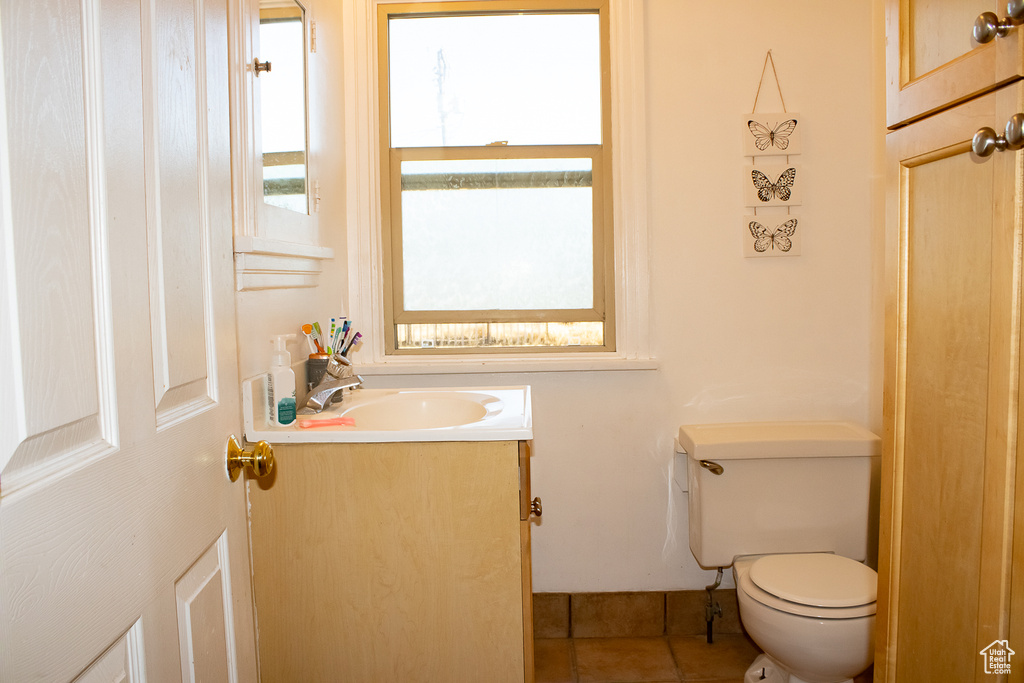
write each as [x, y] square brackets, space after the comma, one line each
[283, 104]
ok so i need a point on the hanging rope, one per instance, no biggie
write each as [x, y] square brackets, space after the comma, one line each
[768, 58]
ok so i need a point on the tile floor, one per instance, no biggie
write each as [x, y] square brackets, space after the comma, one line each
[657, 659]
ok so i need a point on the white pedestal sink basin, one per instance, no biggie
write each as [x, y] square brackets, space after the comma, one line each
[421, 410]
[388, 415]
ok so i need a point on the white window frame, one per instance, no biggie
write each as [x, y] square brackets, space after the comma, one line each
[629, 188]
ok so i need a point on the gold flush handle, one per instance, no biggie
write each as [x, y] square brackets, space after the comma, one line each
[260, 459]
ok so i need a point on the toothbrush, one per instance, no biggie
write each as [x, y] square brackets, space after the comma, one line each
[330, 337]
[344, 335]
[327, 422]
[307, 330]
[338, 337]
[319, 338]
[355, 340]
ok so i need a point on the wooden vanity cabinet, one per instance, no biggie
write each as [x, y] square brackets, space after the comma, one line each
[951, 555]
[394, 562]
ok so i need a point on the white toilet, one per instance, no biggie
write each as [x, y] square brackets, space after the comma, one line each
[787, 505]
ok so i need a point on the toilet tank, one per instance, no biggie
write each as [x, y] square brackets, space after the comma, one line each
[784, 487]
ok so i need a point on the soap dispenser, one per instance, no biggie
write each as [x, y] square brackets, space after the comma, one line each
[281, 383]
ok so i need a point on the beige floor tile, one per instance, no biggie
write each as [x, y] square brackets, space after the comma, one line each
[624, 660]
[553, 660]
[726, 659]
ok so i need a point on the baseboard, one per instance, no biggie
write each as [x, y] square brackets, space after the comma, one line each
[631, 614]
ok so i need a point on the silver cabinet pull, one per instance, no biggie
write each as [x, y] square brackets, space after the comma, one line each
[988, 26]
[986, 141]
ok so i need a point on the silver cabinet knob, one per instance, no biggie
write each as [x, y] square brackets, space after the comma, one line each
[986, 141]
[1014, 132]
[1015, 10]
[988, 26]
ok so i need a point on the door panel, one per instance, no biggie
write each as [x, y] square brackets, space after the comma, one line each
[122, 663]
[952, 354]
[939, 32]
[932, 60]
[118, 346]
[205, 637]
[63, 339]
[176, 233]
[948, 320]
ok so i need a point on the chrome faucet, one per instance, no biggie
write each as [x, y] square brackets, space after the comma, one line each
[338, 377]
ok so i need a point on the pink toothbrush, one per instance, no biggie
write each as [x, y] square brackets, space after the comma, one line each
[327, 422]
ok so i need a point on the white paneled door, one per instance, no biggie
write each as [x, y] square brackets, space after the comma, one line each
[123, 551]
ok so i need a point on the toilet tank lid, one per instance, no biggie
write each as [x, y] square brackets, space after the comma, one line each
[750, 440]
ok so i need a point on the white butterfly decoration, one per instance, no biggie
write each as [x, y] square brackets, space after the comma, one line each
[764, 238]
[773, 186]
[771, 134]
[782, 240]
[781, 188]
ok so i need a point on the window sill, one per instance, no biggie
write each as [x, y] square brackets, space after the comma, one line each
[449, 365]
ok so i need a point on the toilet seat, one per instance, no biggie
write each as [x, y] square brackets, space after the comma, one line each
[820, 585]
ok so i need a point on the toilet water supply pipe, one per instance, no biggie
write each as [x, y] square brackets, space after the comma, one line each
[712, 608]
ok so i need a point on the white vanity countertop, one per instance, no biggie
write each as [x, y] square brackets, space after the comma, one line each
[401, 415]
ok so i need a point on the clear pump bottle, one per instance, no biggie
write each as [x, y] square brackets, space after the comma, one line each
[281, 383]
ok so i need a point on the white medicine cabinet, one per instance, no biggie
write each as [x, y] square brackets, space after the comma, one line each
[277, 240]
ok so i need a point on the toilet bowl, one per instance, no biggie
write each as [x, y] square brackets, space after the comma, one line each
[787, 504]
[812, 613]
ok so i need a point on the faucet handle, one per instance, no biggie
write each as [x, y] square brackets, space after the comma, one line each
[336, 366]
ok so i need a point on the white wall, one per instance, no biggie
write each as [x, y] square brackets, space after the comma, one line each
[736, 338]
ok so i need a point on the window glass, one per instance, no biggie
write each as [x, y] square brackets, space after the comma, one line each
[500, 234]
[527, 79]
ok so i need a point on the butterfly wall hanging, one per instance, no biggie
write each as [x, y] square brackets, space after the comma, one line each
[771, 134]
[770, 140]
[773, 185]
[767, 236]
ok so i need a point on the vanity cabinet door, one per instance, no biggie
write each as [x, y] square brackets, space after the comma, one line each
[392, 562]
[951, 407]
[932, 60]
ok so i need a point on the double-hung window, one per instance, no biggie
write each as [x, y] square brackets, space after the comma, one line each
[496, 200]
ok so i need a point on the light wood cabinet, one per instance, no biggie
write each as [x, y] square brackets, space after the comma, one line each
[952, 501]
[394, 562]
[933, 62]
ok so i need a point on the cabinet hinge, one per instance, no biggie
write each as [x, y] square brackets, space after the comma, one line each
[316, 196]
[312, 36]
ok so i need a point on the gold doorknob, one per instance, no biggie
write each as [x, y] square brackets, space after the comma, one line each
[260, 459]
